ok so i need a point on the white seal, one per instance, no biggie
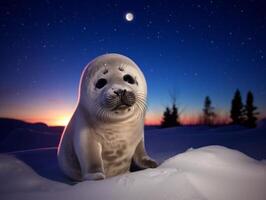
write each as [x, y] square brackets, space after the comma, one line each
[106, 131]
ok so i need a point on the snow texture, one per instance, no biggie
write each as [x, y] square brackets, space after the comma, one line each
[196, 163]
[212, 172]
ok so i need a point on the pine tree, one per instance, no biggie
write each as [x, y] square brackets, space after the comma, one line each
[237, 109]
[166, 118]
[174, 116]
[170, 117]
[208, 112]
[250, 111]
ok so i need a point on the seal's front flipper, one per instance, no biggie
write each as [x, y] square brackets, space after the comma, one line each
[88, 151]
[147, 162]
[93, 176]
[141, 158]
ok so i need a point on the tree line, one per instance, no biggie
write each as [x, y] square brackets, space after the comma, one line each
[240, 114]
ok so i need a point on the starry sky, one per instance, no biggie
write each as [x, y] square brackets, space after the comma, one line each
[188, 49]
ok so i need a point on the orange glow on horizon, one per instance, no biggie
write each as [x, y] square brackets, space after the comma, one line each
[62, 117]
[155, 119]
[51, 116]
[152, 122]
[57, 121]
[63, 120]
[187, 120]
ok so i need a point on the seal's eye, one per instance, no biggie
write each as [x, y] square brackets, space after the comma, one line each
[101, 83]
[129, 79]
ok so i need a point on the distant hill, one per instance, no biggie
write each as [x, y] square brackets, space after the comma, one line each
[20, 135]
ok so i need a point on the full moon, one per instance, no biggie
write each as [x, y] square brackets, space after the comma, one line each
[129, 16]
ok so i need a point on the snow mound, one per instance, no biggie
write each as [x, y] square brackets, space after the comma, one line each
[213, 172]
[221, 173]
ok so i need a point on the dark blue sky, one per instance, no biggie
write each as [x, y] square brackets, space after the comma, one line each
[190, 48]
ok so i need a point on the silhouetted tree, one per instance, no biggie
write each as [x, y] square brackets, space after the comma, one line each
[250, 113]
[171, 116]
[174, 117]
[208, 112]
[237, 109]
[166, 118]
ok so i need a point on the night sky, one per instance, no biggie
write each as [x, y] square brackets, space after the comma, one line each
[187, 48]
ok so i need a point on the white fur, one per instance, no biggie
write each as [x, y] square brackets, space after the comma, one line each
[94, 129]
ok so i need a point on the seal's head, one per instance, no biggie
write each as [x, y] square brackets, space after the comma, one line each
[113, 88]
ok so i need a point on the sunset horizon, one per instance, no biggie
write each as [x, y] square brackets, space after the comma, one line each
[151, 119]
[189, 57]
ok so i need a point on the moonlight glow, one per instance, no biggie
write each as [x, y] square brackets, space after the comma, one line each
[129, 17]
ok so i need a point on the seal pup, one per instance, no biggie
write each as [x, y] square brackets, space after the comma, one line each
[106, 131]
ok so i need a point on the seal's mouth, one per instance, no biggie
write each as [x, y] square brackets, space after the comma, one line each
[120, 107]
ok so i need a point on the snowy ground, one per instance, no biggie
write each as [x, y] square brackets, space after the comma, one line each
[205, 172]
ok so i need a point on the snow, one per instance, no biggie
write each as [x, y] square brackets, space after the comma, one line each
[221, 173]
[192, 167]
[212, 172]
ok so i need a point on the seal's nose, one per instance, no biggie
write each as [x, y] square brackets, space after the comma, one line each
[127, 98]
[119, 92]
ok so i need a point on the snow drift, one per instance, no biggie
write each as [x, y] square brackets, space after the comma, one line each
[213, 172]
